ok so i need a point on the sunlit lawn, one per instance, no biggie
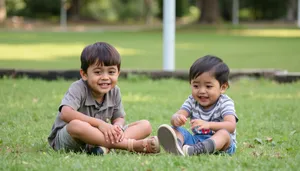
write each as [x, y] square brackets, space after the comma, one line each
[143, 50]
[268, 129]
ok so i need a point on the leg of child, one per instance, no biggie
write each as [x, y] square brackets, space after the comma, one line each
[135, 135]
[179, 136]
[91, 135]
[138, 130]
[220, 141]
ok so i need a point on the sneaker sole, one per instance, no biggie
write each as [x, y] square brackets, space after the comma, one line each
[105, 150]
[168, 140]
[185, 150]
[99, 151]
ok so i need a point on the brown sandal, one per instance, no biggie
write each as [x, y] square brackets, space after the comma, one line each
[147, 144]
[130, 145]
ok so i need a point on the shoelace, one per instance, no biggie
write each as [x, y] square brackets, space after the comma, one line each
[199, 148]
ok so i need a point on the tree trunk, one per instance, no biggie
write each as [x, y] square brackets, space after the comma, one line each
[2, 11]
[209, 11]
[75, 10]
[292, 10]
[148, 11]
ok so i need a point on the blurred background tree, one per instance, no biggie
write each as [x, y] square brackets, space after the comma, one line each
[147, 11]
[2, 11]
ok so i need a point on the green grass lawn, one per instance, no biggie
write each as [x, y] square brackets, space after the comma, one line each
[143, 50]
[268, 129]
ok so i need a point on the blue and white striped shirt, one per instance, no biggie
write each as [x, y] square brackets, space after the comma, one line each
[224, 106]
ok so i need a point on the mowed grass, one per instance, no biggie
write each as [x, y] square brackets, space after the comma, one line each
[241, 49]
[268, 129]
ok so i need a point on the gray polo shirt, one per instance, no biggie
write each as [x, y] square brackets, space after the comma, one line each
[79, 97]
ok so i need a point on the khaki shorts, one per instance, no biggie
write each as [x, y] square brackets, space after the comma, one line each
[64, 141]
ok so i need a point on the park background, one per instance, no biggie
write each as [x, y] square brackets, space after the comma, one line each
[264, 38]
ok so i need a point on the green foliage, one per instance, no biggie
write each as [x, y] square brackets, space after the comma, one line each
[42, 8]
[99, 10]
[265, 10]
[113, 10]
[134, 10]
[181, 8]
[14, 7]
[225, 7]
[33, 8]
[267, 131]
[128, 9]
[255, 9]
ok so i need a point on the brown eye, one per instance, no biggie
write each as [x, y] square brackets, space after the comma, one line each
[112, 72]
[98, 72]
[209, 86]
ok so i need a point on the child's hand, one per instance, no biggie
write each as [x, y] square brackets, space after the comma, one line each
[179, 120]
[200, 123]
[120, 132]
[110, 133]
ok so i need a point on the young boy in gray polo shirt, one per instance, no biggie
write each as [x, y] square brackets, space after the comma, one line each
[91, 116]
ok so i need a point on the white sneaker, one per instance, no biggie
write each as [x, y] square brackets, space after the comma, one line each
[195, 149]
[185, 150]
[168, 140]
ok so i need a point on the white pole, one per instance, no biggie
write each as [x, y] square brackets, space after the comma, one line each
[63, 16]
[169, 35]
[298, 13]
[235, 12]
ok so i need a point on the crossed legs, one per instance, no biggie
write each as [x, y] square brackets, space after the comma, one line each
[134, 134]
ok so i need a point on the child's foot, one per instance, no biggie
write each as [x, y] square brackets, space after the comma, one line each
[168, 140]
[195, 149]
[96, 150]
[147, 145]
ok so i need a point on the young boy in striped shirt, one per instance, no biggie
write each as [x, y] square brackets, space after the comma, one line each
[212, 114]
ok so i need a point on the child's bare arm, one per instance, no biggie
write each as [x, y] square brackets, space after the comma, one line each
[68, 114]
[179, 118]
[229, 124]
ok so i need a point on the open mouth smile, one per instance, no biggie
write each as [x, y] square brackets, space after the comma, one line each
[203, 99]
[104, 85]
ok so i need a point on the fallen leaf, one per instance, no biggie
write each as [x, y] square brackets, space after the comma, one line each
[248, 145]
[293, 132]
[257, 154]
[24, 162]
[277, 155]
[269, 139]
[258, 140]
[273, 143]
[35, 100]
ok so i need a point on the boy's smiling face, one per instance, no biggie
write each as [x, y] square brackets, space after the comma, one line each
[101, 79]
[206, 90]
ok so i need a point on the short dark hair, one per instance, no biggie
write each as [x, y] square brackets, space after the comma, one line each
[211, 64]
[100, 53]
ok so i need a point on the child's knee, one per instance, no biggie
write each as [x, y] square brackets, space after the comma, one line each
[224, 133]
[147, 124]
[75, 127]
